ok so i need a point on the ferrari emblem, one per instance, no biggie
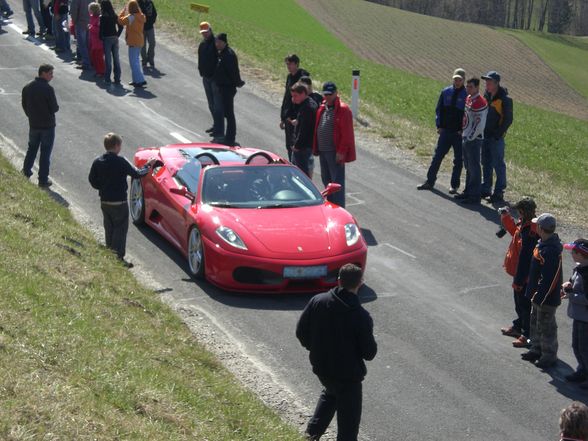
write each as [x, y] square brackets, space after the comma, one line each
[300, 248]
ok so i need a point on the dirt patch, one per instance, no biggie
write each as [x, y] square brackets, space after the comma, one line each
[434, 47]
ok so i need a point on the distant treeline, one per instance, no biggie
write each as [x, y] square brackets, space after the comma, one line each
[556, 16]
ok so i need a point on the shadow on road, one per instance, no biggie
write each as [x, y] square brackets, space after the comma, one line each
[260, 301]
[57, 197]
[153, 72]
[487, 212]
[569, 390]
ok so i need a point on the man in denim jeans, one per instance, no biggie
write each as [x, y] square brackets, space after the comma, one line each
[30, 7]
[81, 19]
[497, 123]
[40, 105]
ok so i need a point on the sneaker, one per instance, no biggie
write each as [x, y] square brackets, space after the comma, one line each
[522, 342]
[545, 363]
[8, 14]
[126, 263]
[531, 356]
[460, 196]
[453, 190]
[46, 184]
[218, 140]
[576, 377]
[28, 32]
[496, 198]
[485, 195]
[26, 173]
[511, 331]
[425, 186]
[210, 130]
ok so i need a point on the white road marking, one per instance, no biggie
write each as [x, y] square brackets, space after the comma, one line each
[3, 92]
[170, 121]
[400, 250]
[356, 200]
[477, 288]
[180, 137]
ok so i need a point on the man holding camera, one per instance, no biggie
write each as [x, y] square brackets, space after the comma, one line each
[516, 263]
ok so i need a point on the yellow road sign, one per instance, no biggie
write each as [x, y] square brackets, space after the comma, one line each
[199, 8]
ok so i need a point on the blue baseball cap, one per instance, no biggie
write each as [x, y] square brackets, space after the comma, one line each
[492, 75]
[329, 88]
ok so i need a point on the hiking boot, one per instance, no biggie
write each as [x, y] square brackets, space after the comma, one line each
[511, 331]
[453, 190]
[26, 174]
[522, 342]
[545, 363]
[425, 186]
[576, 377]
[531, 356]
[46, 184]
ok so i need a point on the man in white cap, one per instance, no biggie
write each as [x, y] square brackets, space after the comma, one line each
[449, 117]
[207, 59]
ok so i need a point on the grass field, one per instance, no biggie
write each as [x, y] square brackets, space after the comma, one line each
[88, 354]
[566, 55]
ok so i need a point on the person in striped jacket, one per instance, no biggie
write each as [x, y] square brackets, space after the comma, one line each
[474, 122]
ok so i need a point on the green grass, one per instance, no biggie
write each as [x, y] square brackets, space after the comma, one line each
[566, 55]
[86, 353]
[263, 31]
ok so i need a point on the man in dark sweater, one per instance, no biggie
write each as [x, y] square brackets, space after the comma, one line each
[543, 289]
[338, 332]
[227, 78]
[40, 105]
[449, 119]
[148, 49]
[108, 175]
[288, 110]
[207, 59]
[303, 127]
[499, 119]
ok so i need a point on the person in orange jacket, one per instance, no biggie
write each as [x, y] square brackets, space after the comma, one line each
[334, 141]
[133, 19]
[517, 262]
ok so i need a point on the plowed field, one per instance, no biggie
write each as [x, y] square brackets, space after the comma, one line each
[433, 47]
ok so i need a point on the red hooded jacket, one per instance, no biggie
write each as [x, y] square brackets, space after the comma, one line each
[344, 138]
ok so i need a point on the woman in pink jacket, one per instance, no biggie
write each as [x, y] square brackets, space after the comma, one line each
[96, 47]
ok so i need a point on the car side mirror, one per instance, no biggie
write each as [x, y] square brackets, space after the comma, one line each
[331, 188]
[183, 191]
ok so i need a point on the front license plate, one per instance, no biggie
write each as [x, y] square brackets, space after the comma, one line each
[305, 272]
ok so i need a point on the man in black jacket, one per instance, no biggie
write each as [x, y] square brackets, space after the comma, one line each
[226, 80]
[207, 59]
[303, 127]
[288, 110]
[40, 105]
[338, 332]
[148, 49]
[498, 121]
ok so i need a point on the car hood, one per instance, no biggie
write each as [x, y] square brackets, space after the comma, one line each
[289, 231]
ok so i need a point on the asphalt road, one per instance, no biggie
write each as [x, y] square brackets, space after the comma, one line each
[438, 294]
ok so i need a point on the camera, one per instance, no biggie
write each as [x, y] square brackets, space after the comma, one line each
[500, 233]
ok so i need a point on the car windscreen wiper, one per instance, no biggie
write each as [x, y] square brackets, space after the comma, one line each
[222, 205]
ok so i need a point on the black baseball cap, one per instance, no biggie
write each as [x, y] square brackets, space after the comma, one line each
[492, 75]
[222, 37]
[329, 88]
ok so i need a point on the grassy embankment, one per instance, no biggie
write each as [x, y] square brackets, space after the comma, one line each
[545, 148]
[566, 55]
[86, 353]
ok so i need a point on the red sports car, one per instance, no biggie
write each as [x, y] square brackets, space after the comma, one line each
[246, 219]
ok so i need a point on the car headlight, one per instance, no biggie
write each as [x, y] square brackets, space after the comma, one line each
[230, 237]
[351, 234]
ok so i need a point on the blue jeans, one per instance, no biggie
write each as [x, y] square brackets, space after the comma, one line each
[208, 84]
[82, 45]
[135, 62]
[493, 161]
[580, 344]
[61, 36]
[30, 7]
[301, 159]
[39, 138]
[447, 139]
[111, 57]
[333, 172]
[5, 7]
[471, 160]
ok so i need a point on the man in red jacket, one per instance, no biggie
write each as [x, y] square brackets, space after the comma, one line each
[334, 141]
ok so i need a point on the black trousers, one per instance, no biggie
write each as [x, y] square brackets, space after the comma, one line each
[523, 310]
[116, 226]
[343, 397]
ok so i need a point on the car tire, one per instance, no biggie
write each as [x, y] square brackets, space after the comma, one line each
[195, 253]
[137, 202]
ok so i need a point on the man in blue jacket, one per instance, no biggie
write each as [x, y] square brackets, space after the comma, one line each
[449, 119]
[338, 332]
[543, 289]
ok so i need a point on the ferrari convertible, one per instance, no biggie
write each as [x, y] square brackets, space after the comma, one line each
[245, 219]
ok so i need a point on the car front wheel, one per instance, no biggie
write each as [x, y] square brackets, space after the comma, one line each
[137, 202]
[196, 254]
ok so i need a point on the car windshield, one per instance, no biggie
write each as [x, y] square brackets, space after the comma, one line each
[268, 186]
[188, 175]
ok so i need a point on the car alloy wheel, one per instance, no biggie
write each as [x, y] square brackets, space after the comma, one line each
[196, 253]
[137, 202]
